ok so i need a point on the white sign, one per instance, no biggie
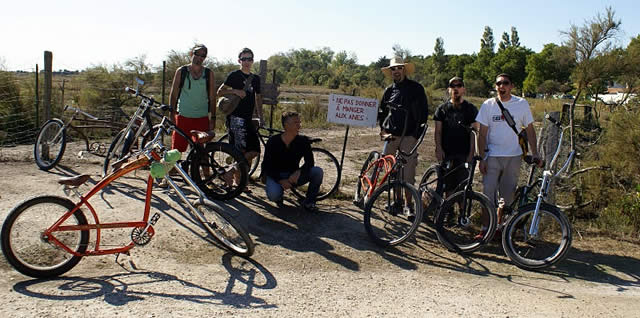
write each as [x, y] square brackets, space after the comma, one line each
[352, 110]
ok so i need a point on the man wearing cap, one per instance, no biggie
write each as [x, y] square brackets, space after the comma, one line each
[405, 96]
[193, 101]
[454, 143]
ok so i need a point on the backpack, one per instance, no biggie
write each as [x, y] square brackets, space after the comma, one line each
[184, 71]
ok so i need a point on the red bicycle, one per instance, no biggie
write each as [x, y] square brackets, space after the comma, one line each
[47, 235]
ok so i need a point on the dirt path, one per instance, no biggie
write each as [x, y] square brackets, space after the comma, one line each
[322, 264]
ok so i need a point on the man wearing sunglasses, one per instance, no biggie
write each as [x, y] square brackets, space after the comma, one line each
[454, 143]
[402, 97]
[242, 131]
[501, 164]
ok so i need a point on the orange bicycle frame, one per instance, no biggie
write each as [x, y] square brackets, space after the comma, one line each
[385, 162]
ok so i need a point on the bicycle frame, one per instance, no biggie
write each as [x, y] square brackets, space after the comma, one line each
[387, 162]
[547, 178]
[90, 122]
[149, 155]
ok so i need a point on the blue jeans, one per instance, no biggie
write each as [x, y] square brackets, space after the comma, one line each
[314, 177]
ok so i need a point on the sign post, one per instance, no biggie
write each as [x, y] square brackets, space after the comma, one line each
[351, 110]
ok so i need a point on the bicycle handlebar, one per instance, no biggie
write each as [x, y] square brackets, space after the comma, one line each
[162, 107]
[77, 110]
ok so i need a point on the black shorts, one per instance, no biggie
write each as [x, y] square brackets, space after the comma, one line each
[242, 134]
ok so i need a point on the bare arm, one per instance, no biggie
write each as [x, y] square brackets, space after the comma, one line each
[173, 95]
[482, 144]
[212, 101]
[533, 143]
[437, 136]
[258, 109]
[225, 90]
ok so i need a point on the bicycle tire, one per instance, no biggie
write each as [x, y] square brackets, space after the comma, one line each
[224, 228]
[256, 161]
[550, 246]
[209, 169]
[469, 234]
[52, 138]
[331, 175]
[27, 251]
[385, 224]
[430, 184]
[111, 155]
[360, 195]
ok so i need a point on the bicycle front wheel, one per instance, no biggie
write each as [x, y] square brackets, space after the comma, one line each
[33, 254]
[549, 242]
[393, 213]
[50, 144]
[220, 172]
[224, 229]
[466, 231]
[331, 175]
[366, 180]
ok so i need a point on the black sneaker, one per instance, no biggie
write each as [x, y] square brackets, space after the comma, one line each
[310, 207]
[394, 208]
[409, 212]
[280, 204]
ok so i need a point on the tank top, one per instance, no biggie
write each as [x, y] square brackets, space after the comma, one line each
[193, 101]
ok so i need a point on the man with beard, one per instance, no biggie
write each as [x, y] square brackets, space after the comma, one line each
[454, 143]
[407, 97]
[501, 164]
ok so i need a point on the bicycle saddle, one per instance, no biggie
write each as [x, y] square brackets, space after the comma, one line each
[74, 181]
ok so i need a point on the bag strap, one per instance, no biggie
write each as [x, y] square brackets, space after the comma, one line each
[507, 116]
[248, 82]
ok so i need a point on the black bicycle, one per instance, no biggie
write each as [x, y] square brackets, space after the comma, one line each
[466, 220]
[211, 166]
[322, 158]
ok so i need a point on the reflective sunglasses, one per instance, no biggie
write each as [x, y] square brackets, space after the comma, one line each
[399, 67]
[250, 59]
[458, 85]
[505, 83]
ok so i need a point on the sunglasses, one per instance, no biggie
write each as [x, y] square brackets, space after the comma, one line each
[505, 83]
[200, 55]
[456, 85]
[250, 59]
[393, 68]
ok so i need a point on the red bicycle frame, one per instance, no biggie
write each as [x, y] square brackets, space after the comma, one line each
[97, 226]
[385, 162]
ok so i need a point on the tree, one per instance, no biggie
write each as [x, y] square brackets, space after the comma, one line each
[440, 60]
[588, 41]
[487, 43]
[515, 39]
[400, 51]
[511, 60]
[505, 43]
[552, 63]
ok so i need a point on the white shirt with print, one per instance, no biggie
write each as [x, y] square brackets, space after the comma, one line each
[501, 140]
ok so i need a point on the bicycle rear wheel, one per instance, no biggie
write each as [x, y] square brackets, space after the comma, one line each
[367, 178]
[28, 251]
[221, 171]
[466, 232]
[331, 175]
[224, 229]
[385, 218]
[430, 186]
[50, 144]
[256, 161]
[551, 243]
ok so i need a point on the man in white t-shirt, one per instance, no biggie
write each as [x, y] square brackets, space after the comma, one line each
[498, 143]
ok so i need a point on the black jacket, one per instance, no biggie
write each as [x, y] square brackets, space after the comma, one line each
[409, 95]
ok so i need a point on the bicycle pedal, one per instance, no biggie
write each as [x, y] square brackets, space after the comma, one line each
[154, 218]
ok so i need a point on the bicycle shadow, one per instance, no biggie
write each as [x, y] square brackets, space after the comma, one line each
[300, 231]
[134, 286]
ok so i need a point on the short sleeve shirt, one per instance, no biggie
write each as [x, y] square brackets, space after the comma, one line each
[501, 139]
[456, 140]
[236, 80]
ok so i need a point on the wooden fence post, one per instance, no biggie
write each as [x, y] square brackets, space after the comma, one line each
[37, 102]
[48, 59]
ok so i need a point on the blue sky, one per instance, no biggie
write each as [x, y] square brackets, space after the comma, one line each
[85, 33]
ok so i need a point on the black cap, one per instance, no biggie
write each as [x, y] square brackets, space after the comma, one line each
[456, 79]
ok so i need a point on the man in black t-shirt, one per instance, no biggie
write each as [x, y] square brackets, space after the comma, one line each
[454, 143]
[242, 130]
[281, 164]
